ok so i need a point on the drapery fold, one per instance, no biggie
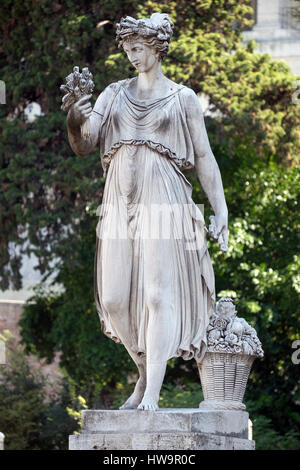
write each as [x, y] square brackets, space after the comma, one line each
[138, 179]
[144, 145]
[159, 123]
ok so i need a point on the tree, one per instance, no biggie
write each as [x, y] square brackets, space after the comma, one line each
[55, 322]
[50, 195]
[31, 417]
[46, 188]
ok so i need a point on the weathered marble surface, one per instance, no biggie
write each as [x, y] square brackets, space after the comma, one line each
[1, 441]
[154, 296]
[165, 429]
[232, 347]
[228, 333]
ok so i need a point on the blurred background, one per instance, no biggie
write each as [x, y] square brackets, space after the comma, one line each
[242, 58]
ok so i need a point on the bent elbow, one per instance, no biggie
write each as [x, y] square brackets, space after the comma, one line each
[81, 147]
[81, 152]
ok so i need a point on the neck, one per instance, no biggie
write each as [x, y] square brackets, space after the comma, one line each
[147, 80]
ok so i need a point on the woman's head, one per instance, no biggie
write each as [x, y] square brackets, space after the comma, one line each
[154, 32]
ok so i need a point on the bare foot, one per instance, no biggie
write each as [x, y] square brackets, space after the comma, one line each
[149, 403]
[135, 398]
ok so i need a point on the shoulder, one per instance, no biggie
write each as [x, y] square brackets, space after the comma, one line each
[172, 86]
[113, 88]
[188, 94]
[107, 95]
[190, 100]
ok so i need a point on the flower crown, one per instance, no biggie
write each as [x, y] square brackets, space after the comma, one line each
[159, 25]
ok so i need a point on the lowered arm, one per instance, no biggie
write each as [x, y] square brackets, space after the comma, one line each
[205, 163]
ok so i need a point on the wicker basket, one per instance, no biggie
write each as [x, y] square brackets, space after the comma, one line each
[224, 378]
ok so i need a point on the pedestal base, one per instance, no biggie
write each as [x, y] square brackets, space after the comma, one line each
[165, 429]
[1, 441]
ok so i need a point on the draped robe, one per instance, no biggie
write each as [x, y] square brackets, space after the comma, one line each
[145, 145]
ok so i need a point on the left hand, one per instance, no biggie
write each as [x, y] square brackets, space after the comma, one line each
[218, 229]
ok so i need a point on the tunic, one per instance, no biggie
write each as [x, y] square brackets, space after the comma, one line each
[148, 218]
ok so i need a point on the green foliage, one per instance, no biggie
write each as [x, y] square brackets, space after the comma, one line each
[254, 94]
[184, 394]
[264, 274]
[261, 272]
[68, 322]
[252, 91]
[266, 437]
[49, 194]
[30, 419]
[22, 409]
[75, 412]
[46, 188]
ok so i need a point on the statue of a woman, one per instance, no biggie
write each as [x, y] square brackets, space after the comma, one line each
[154, 294]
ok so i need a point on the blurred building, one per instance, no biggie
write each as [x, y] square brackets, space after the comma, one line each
[277, 30]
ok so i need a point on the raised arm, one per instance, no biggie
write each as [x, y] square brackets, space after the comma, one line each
[205, 164]
[79, 113]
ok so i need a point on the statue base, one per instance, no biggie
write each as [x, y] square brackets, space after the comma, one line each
[165, 429]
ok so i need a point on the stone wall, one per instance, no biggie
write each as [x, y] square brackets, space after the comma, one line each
[277, 31]
[10, 313]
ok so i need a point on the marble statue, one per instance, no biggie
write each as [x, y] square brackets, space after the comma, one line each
[228, 333]
[232, 347]
[154, 294]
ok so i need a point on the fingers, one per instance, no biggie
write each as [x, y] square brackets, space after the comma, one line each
[86, 110]
[84, 107]
[84, 99]
[223, 240]
[86, 115]
[221, 225]
[219, 228]
[212, 229]
[218, 231]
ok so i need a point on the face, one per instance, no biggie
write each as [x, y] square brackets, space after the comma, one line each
[141, 56]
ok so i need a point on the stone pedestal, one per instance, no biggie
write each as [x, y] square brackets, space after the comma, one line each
[165, 429]
[1, 441]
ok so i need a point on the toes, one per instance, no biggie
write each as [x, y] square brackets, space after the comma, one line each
[147, 407]
[128, 406]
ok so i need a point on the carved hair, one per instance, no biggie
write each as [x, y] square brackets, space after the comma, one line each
[155, 31]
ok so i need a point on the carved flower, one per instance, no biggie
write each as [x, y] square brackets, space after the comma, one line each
[221, 346]
[231, 338]
[213, 336]
[237, 348]
[247, 349]
[221, 323]
[161, 37]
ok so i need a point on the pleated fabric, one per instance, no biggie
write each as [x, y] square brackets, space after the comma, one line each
[145, 193]
[161, 124]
